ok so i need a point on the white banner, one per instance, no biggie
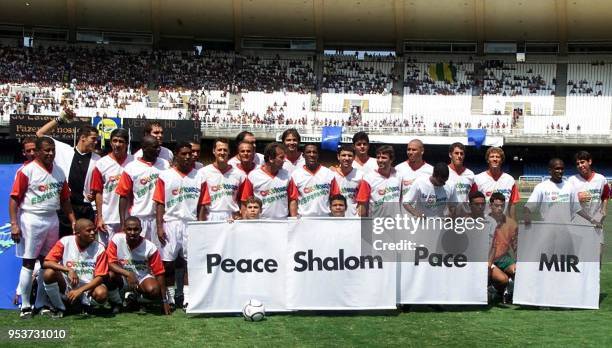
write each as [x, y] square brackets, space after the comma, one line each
[446, 268]
[329, 272]
[230, 263]
[558, 266]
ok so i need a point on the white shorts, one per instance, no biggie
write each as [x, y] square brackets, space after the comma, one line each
[85, 297]
[176, 240]
[105, 237]
[39, 233]
[220, 215]
[140, 280]
[149, 229]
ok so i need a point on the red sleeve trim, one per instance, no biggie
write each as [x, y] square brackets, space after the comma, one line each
[474, 188]
[20, 187]
[335, 189]
[515, 196]
[57, 252]
[101, 265]
[159, 195]
[111, 252]
[363, 192]
[155, 264]
[124, 187]
[205, 195]
[247, 190]
[605, 194]
[97, 182]
[65, 194]
[292, 191]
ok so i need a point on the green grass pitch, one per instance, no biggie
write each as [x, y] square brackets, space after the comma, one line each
[459, 326]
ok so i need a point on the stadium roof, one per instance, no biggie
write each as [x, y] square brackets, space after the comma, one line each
[373, 22]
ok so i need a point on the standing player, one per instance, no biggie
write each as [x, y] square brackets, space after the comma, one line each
[495, 180]
[104, 181]
[221, 191]
[414, 166]
[555, 198]
[28, 149]
[155, 129]
[592, 190]
[135, 265]
[502, 262]
[77, 164]
[196, 149]
[293, 157]
[246, 151]
[272, 185]
[314, 184]
[247, 137]
[137, 185]
[76, 267]
[378, 194]
[459, 176]
[39, 190]
[348, 177]
[177, 193]
[363, 161]
[430, 196]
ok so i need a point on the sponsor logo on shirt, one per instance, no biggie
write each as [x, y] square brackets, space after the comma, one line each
[47, 192]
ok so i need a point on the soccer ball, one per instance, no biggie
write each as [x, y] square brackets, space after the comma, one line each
[253, 310]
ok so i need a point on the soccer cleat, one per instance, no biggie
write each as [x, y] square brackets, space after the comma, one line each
[56, 313]
[25, 313]
[45, 312]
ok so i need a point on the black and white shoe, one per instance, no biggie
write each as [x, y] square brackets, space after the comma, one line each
[25, 313]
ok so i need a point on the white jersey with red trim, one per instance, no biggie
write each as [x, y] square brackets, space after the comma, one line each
[142, 260]
[38, 190]
[138, 180]
[290, 166]
[505, 185]
[258, 160]
[105, 179]
[314, 189]
[180, 194]
[556, 202]
[272, 190]
[164, 153]
[462, 183]
[370, 165]
[408, 175]
[590, 193]
[88, 263]
[381, 193]
[222, 189]
[429, 199]
[348, 186]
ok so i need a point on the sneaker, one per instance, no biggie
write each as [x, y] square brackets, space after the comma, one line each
[56, 313]
[45, 312]
[25, 313]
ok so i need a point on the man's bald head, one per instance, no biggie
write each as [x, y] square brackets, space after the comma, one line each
[415, 150]
[416, 142]
[82, 224]
[148, 140]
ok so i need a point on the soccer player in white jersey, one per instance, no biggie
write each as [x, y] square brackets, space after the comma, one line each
[223, 182]
[256, 159]
[28, 149]
[414, 166]
[39, 190]
[246, 151]
[592, 190]
[272, 185]
[314, 184]
[196, 149]
[293, 157]
[362, 160]
[459, 176]
[337, 205]
[76, 267]
[495, 180]
[155, 129]
[378, 194]
[177, 196]
[431, 196]
[348, 177]
[137, 185]
[555, 198]
[135, 265]
[104, 181]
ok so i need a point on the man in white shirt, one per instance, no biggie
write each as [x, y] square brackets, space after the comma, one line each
[414, 166]
[378, 194]
[348, 177]
[293, 157]
[362, 160]
[431, 196]
[459, 176]
[256, 159]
